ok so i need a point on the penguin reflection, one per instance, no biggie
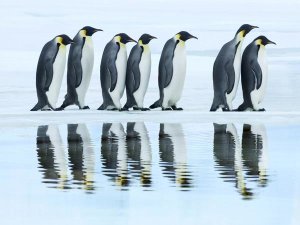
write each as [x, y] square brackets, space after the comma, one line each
[139, 152]
[113, 151]
[232, 158]
[173, 154]
[81, 156]
[51, 156]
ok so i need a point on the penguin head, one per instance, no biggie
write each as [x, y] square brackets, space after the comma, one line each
[89, 31]
[146, 38]
[123, 38]
[244, 30]
[63, 39]
[184, 36]
[262, 40]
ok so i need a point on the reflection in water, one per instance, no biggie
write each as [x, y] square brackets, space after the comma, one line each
[81, 156]
[53, 161]
[241, 164]
[139, 152]
[51, 156]
[173, 154]
[114, 156]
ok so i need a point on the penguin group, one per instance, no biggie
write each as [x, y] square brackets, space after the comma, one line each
[253, 69]
[117, 72]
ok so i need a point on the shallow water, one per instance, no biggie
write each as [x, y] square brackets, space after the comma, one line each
[165, 172]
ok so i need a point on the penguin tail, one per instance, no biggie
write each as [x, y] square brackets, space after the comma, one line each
[155, 104]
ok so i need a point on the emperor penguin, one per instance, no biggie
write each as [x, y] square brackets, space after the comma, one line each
[226, 70]
[171, 72]
[80, 67]
[50, 71]
[138, 73]
[254, 74]
[113, 71]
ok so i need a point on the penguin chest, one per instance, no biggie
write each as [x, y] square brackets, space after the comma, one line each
[145, 70]
[87, 63]
[174, 90]
[121, 64]
[58, 72]
[237, 72]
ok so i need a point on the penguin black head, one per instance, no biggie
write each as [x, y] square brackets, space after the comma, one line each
[89, 31]
[245, 29]
[146, 38]
[124, 38]
[262, 40]
[184, 36]
[63, 39]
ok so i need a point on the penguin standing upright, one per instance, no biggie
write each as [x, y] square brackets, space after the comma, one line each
[171, 72]
[138, 73]
[50, 71]
[113, 71]
[226, 70]
[254, 74]
[80, 67]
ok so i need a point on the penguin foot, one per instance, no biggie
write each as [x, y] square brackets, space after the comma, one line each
[225, 109]
[124, 109]
[261, 110]
[145, 109]
[166, 109]
[136, 108]
[85, 107]
[59, 109]
[113, 109]
[141, 108]
[45, 109]
[175, 108]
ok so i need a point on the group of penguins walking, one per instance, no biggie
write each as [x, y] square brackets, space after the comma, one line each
[118, 72]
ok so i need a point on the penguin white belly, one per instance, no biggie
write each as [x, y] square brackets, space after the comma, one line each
[257, 95]
[121, 64]
[145, 70]
[58, 72]
[237, 71]
[172, 93]
[87, 63]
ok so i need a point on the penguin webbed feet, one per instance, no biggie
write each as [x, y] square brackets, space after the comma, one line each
[261, 110]
[59, 109]
[85, 107]
[166, 109]
[141, 109]
[174, 107]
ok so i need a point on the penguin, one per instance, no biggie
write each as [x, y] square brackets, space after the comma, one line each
[226, 70]
[80, 67]
[50, 71]
[171, 72]
[138, 73]
[254, 73]
[113, 71]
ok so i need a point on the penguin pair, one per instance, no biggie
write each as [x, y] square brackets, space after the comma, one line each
[116, 72]
[227, 69]
[51, 66]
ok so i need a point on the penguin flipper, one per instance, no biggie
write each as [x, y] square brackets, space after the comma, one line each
[112, 69]
[49, 75]
[136, 76]
[78, 72]
[256, 71]
[230, 76]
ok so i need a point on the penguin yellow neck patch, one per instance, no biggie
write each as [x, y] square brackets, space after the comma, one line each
[258, 42]
[177, 37]
[240, 35]
[82, 33]
[59, 40]
[118, 40]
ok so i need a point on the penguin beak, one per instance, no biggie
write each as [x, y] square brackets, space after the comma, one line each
[271, 42]
[191, 36]
[131, 40]
[152, 37]
[253, 27]
[96, 30]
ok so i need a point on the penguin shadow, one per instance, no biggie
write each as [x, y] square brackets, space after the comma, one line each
[81, 157]
[173, 156]
[114, 156]
[51, 157]
[139, 152]
[244, 165]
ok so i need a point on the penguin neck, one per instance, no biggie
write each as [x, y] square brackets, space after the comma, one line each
[118, 42]
[239, 39]
[82, 33]
[145, 47]
[179, 42]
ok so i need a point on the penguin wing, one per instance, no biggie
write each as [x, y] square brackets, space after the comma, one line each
[136, 75]
[230, 76]
[166, 63]
[112, 69]
[256, 71]
[49, 74]
[78, 72]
